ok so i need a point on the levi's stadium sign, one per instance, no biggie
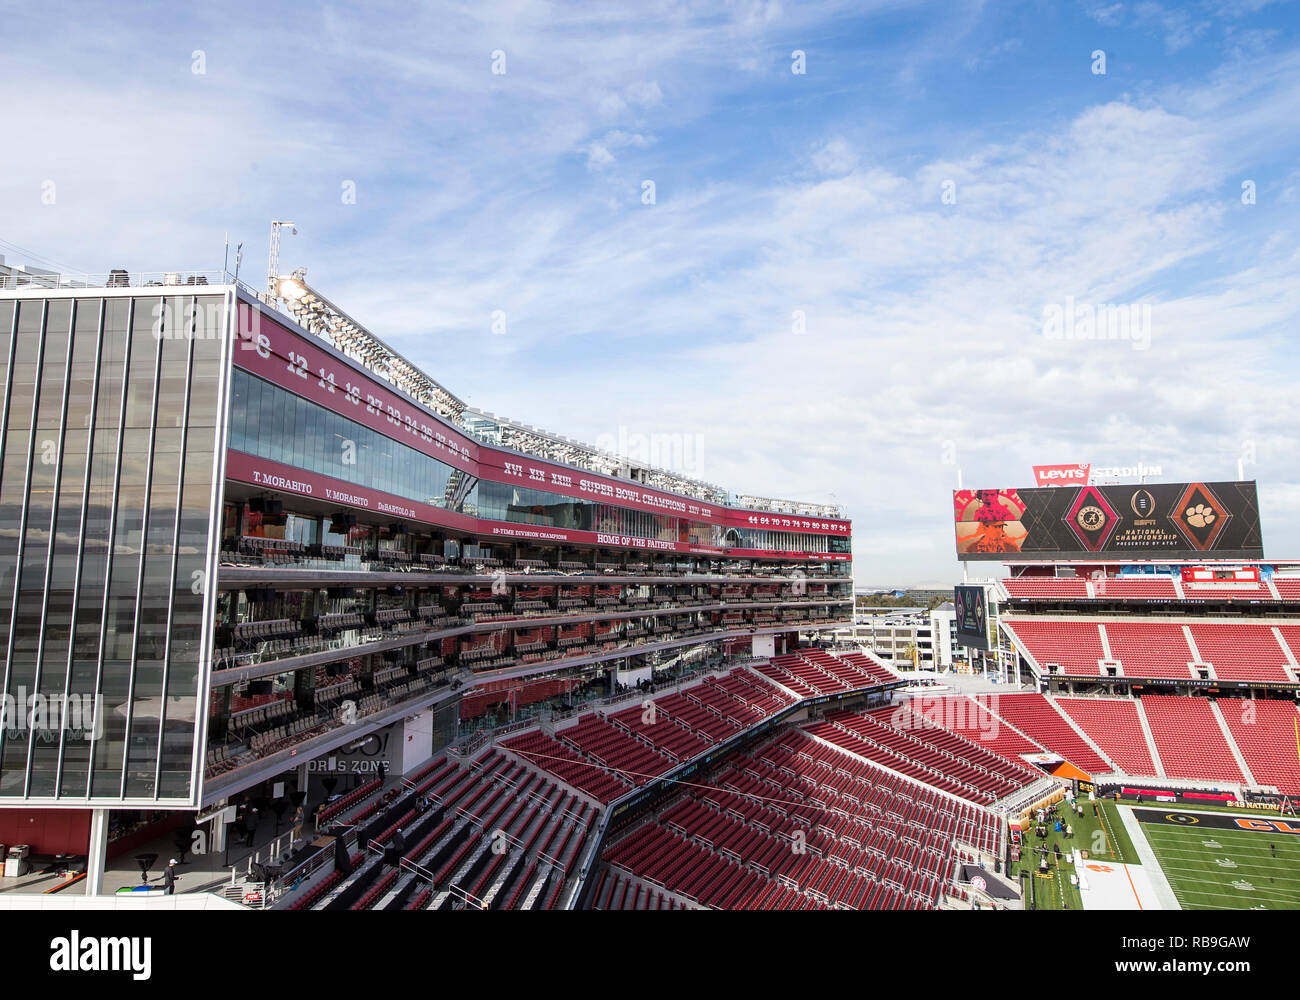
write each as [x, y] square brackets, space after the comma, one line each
[1149, 521]
[1061, 475]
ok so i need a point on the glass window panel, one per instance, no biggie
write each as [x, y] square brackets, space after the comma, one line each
[13, 495]
[30, 603]
[126, 549]
[60, 598]
[150, 637]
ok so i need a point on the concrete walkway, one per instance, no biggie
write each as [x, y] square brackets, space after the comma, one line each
[200, 873]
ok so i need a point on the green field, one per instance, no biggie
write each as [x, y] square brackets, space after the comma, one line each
[1102, 836]
[1217, 869]
[1208, 868]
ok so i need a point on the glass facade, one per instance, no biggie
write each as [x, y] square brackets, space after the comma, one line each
[111, 413]
[787, 541]
[272, 423]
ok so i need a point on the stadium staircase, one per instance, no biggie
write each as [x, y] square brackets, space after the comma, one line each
[1151, 740]
[1292, 667]
[1232, 744]
[1105, 640]
[1092, 744]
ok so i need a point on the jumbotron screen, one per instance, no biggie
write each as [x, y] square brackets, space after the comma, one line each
[972, 616]
[1147, 521]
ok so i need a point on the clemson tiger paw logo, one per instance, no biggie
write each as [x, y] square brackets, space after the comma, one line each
[1200, 516]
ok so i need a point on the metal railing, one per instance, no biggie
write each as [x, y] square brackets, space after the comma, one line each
[269, 892]
[190, 278]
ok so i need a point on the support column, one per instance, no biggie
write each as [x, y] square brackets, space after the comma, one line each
[97, 852]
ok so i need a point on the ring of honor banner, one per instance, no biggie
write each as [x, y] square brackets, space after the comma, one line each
[1152, 521]
[972, 617]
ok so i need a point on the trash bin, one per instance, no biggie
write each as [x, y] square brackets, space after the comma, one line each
[16, 861]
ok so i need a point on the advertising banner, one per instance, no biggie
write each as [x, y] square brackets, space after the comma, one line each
[1151, 521]
[972, 617]
[1061, 475]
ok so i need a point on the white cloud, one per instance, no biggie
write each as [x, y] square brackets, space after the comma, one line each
[834, 157]
[645, 94]
[1110, 15]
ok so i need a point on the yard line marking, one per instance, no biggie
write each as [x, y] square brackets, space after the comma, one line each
[1133, 887]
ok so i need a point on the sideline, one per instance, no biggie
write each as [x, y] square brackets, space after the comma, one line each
[1159, 883]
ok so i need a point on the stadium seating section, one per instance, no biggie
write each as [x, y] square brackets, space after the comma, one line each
[1236, 651]
[1143, 587]
[1038, 719]
[1074, 645]
[1047, 588]
[1265, 733]
[972, 720]
[1189, 740]
[1113, 724]
[856, 809]
[915, 747]
[796, 824]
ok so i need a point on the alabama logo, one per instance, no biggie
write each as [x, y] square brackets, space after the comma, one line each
[1092, 519]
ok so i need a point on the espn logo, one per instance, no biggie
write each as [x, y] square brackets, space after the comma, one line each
[1061, 475]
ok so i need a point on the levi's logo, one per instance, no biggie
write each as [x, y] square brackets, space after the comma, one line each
[1047, 475]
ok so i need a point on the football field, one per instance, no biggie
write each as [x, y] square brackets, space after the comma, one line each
[1213, 863]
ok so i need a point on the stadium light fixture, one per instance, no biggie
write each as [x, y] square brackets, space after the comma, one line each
[291, 289]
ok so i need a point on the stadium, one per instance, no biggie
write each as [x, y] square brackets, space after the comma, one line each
[277, 591]
[260, 563]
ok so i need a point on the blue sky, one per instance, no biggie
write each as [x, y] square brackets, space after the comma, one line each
[921, 346]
